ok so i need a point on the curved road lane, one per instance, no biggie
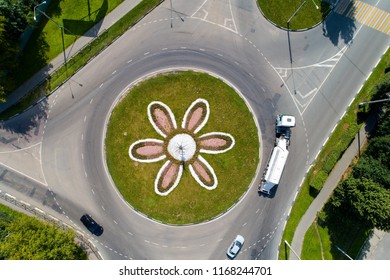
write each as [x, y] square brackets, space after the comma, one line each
[231, 40]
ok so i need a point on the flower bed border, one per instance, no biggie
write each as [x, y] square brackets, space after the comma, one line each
[224, 199]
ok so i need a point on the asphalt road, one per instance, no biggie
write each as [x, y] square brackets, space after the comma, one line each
[64, 140]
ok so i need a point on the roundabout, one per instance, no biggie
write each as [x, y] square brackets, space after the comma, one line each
[99, 194]
[65, 135]
[207, 148]
[74, 159]
[80, 140]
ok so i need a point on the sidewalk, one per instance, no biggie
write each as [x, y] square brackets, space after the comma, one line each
[330, 184]
[376, 246]
[105, 23]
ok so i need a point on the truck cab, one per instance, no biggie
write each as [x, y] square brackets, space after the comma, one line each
[282, 127]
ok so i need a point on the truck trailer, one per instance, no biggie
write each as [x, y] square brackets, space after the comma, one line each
[276, 162]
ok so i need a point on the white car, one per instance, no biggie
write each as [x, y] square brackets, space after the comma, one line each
[237, 244]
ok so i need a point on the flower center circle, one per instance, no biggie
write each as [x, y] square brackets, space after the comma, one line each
[182, 147]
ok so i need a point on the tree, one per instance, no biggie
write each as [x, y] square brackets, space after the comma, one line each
[18, 15]
[15, 16]
[371, 168]
[364, 199]
[379, 148]
[384, 125]
[382, 88]
[30, 239]
[2, 93]
[8, 50]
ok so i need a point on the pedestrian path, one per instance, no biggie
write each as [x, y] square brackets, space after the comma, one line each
[366, 14]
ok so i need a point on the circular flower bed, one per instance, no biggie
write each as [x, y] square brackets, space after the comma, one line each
[181, 146]
[185, 173]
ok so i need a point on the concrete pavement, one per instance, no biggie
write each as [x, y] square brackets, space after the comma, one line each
[89, 36]
[375, 246]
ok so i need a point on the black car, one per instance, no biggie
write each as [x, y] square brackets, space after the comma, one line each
[91, 225]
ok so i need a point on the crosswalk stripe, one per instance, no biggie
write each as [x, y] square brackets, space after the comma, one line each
[349, 9]
[362, 11]
[366, 14]
[343, 6]
[386, 30]
[384, 22]
[369, 11]
[374, 18]
[384, 26]
[380, 21]
[356, 8]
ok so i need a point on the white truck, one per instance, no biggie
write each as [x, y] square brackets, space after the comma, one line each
[275, 165]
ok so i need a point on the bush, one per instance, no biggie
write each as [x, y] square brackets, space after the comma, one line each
[379, 148]
[331, 161]
[371, 168]
[322, 217]
[319, 180]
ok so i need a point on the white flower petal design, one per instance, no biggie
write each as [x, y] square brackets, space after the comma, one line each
[216, 142]
[162, 118]
[196, 115]
[181, 146]
[147, 150]
[168, 178]
[203, 173]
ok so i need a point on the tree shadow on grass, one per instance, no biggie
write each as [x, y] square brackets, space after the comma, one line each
[86, 26]
[54, 8]
[346, 232]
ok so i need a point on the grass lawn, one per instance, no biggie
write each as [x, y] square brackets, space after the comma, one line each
[312, 237]
[188, 202]
[333, 150]
[280, 11]
[317, 244]
[337, 231]
[46, 43]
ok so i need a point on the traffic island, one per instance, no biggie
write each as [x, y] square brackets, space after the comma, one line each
[295, 15]
[182, 148]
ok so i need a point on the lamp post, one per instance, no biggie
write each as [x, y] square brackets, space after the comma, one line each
[344, 253]
[289, 43]
[182, 19]
[292, 250]
[36, 6]
[315, 4]
[295, 13]
[170, 1]
[376, 101]
[59, 25]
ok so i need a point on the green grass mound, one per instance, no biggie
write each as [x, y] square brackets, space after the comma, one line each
[308, 15]
[189, 202]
